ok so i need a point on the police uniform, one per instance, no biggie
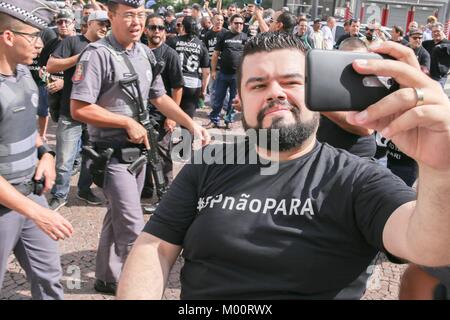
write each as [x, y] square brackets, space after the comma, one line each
[96, 80]
[36, 252]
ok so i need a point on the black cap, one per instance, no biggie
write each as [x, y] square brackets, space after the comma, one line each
[37, 13]
[65, 14]
[130, 3]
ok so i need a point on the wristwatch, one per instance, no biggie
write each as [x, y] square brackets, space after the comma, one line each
[41, 150]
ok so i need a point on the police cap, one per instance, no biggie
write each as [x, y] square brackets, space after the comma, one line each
[37, 13]
[130, 3]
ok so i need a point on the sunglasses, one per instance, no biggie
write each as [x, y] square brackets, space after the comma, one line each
[416, 38]
[61, 22]
[104, 24]
[155, 27]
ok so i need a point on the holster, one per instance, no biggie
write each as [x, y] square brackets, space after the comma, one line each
[99, 163]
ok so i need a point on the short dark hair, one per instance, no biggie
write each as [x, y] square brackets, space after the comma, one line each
[196, 6]
[152, 16]
[352, 43]
[268, 42]
[288, 20]
[398, 30]
[112, 6]
[234, 16]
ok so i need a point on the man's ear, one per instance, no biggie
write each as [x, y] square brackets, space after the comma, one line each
[237, 105]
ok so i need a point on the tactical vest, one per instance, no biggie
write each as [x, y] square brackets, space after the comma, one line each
[113, 99]
[19, 99]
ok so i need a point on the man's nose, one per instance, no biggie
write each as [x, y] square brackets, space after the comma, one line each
[275, 91]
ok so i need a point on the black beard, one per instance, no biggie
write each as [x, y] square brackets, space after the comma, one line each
[150, 39]
[369, 37]
[290, 136]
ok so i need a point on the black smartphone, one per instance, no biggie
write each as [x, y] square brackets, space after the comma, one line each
[332, 84]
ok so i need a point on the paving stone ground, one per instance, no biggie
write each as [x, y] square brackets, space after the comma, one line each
[78, 254]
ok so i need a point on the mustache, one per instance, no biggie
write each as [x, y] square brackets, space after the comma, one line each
[271, 104]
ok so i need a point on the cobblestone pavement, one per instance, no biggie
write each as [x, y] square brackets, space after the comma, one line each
[78, 254]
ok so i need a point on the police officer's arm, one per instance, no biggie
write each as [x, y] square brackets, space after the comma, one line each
[417, 231]
[339, 118]
[214, 60]
[55, 65]
[171, 110]
[147, 268]
[100, 117]
[45, 167]
[53, 224]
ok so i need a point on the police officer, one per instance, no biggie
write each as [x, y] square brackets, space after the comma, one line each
[27, 226]
[99, 100]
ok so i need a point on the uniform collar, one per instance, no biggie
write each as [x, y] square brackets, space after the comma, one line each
[112, 40]
[21, 70]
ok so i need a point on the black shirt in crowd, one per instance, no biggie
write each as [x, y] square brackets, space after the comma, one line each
[192, 53]
[34, 69]
[48, 34]
[440, 60]
[423, 57]
[171, 27]
[211, 39]
[48, 49]
[342, 38]
[331, 133]
[171, 75]
[203, 33]
[307, 231]
[231, 47]
[396, 157]
[69, 47]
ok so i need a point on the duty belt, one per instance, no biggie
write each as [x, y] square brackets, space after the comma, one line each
[125, 153]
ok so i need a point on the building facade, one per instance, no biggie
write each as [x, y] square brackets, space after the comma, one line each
[387, 12]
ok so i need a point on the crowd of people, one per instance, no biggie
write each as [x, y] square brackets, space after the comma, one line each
[235, 227]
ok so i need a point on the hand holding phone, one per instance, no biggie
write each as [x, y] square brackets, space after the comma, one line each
[333, 85]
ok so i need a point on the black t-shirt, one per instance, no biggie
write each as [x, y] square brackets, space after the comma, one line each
[397, 157]
[48, 34]
[48, 49]
[306, 232]
[331, 133]
[203, 33]
[171, 27]
[172, 75]
[69, 47]
[440, 60]
[423, 57]
[429, 45]
[231, 47]
[34, 69]
[342, 38]
[192, 53]
[211, 39]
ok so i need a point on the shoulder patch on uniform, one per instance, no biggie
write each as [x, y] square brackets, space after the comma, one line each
[78, 75]
[86, 56]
